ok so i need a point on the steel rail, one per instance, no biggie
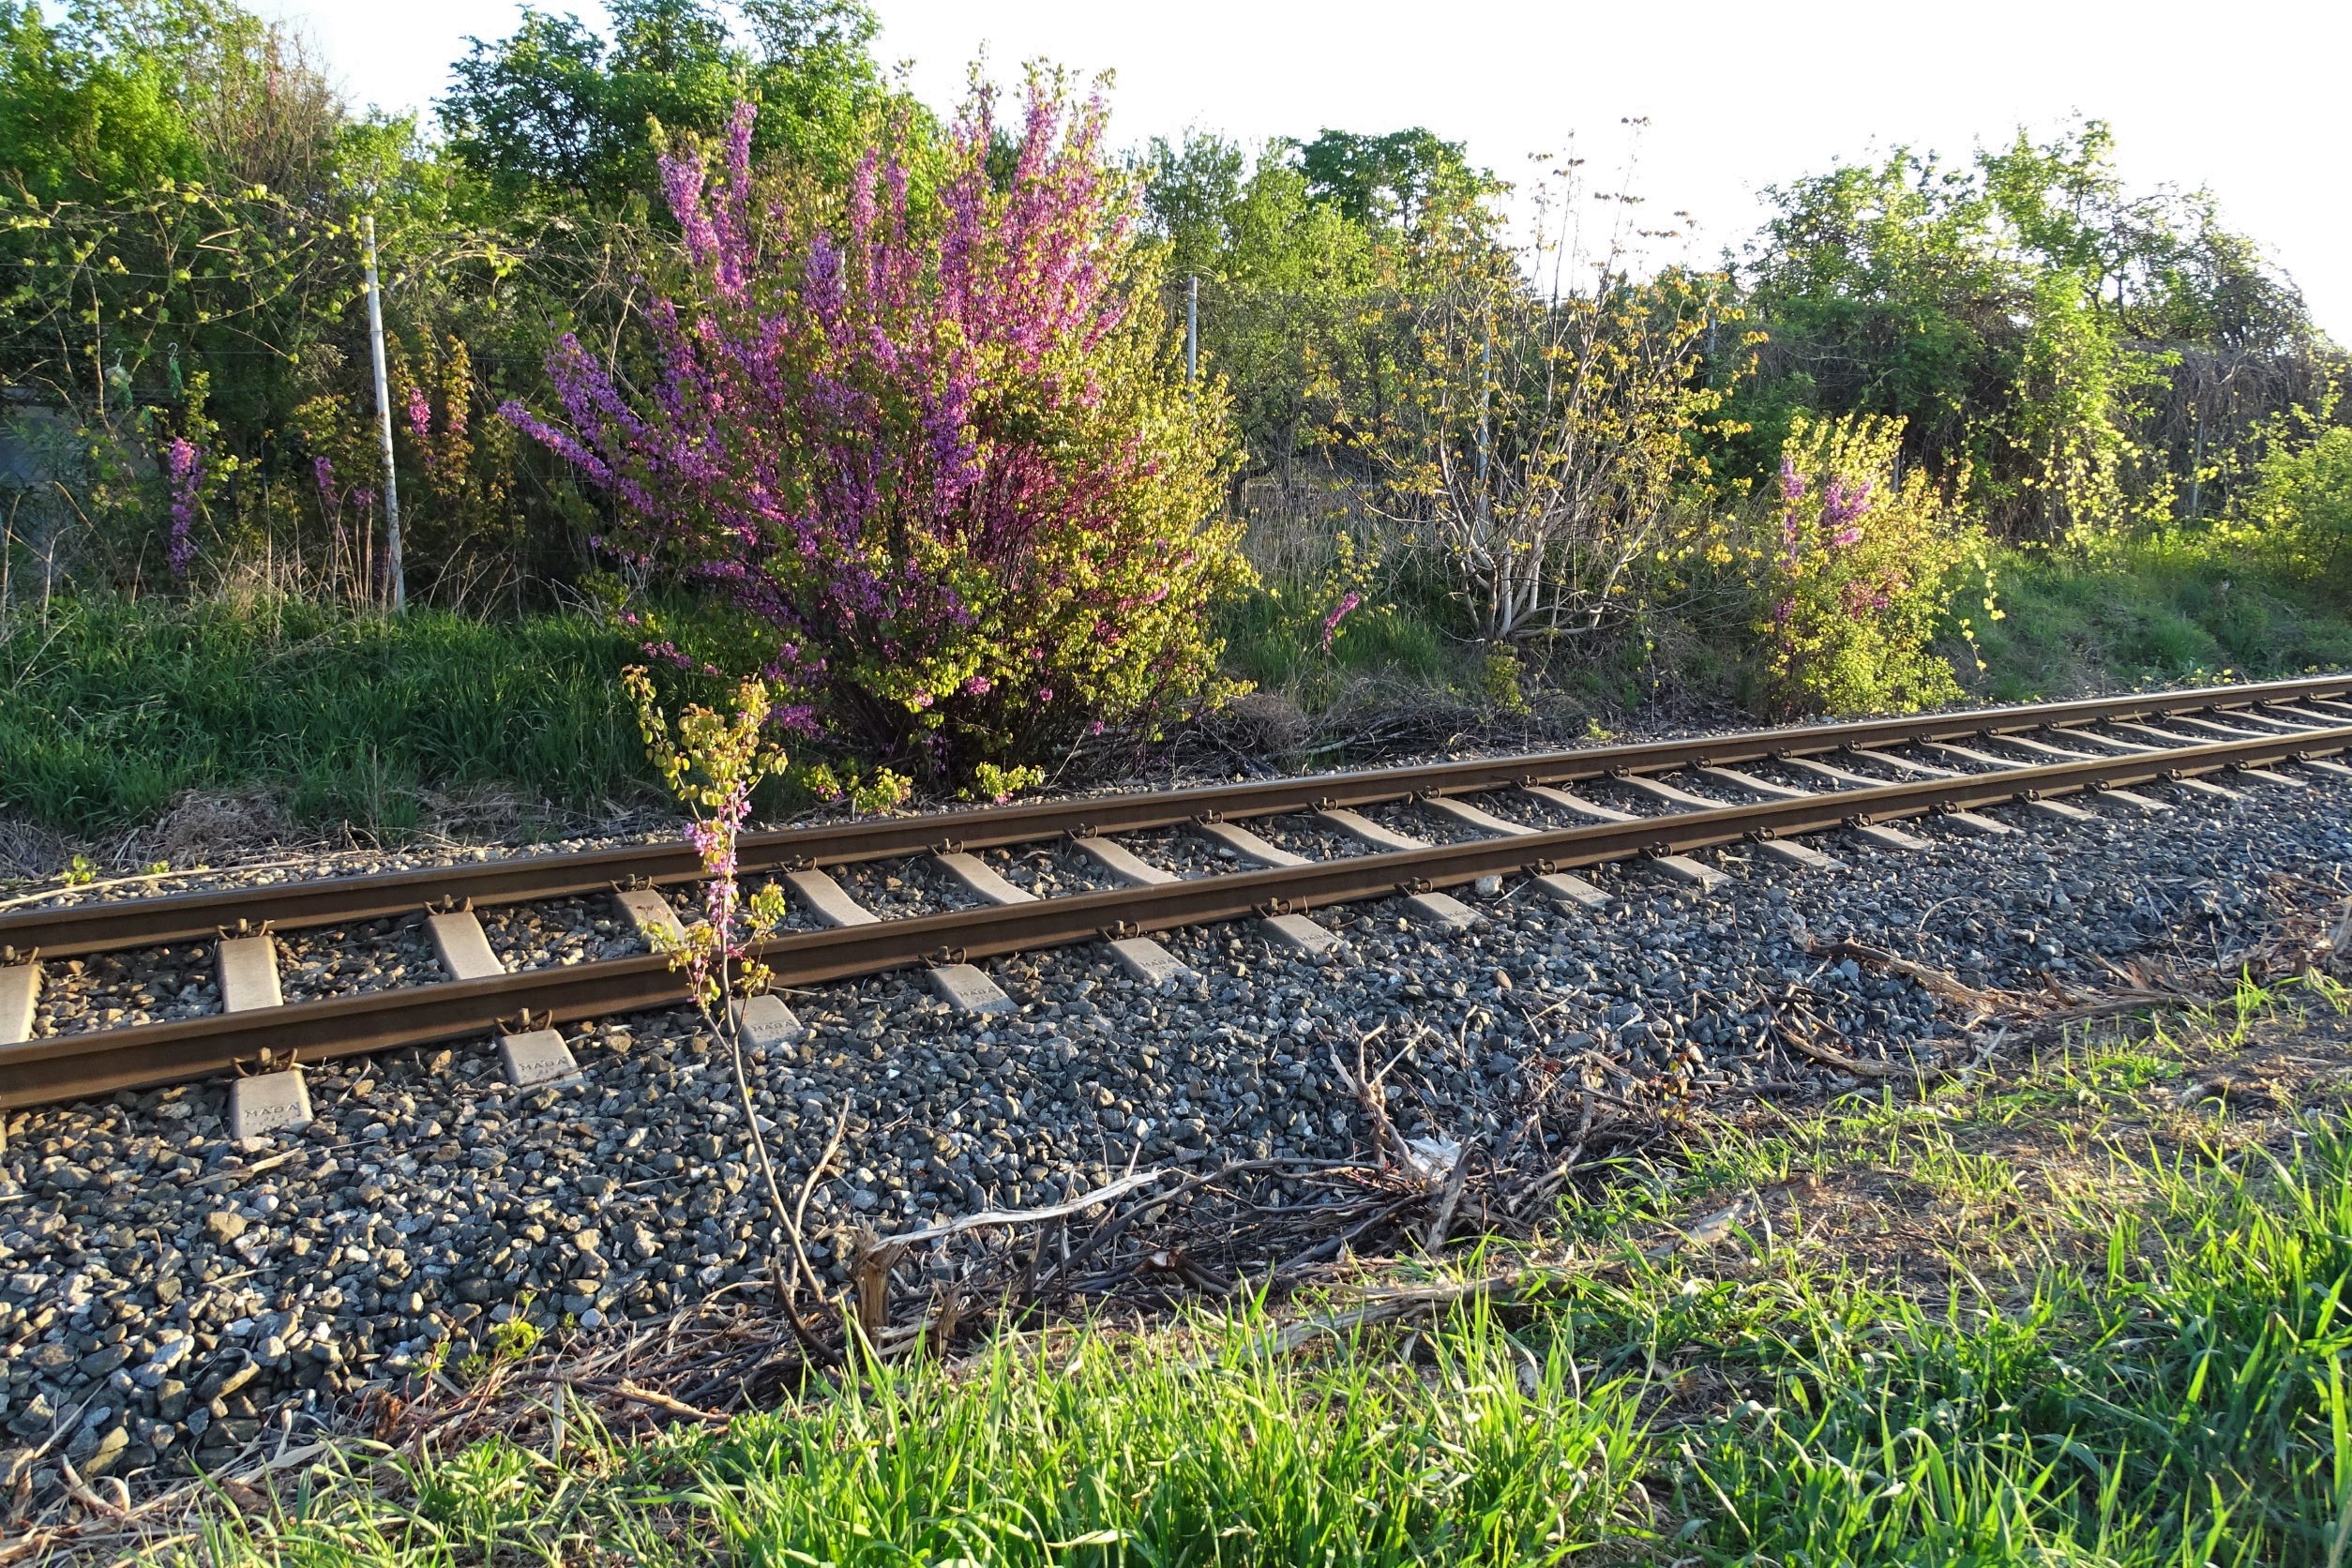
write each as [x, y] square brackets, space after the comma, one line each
[71, 1066]
[72, 931]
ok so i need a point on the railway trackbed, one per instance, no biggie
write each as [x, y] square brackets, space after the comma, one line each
[1414, 832]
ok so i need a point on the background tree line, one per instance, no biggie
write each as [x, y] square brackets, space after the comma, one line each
[1552, 431]
[2085, 353]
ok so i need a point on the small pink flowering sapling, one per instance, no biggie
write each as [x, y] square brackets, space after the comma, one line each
[713, 761]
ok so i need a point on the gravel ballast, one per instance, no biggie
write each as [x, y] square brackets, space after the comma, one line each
[167, 1296]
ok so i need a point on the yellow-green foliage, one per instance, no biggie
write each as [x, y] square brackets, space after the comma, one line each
[1859, 571]
[2300, 510]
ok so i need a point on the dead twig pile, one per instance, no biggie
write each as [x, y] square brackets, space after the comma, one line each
[1152, 1237]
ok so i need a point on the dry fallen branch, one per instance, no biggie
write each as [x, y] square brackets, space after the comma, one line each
[1804, 1045]
[988, 1217]
[629, 1390]
[2293, 947]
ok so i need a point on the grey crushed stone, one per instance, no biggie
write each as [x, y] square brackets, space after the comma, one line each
[1403, 816]
[904, 889]
[114, 990]
[167, 1297]
[344, 961]
[1049, 870]
[561, 931]
[1186, 854]
[1302, 834]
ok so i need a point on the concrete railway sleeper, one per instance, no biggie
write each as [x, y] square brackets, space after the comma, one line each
[257, 1027]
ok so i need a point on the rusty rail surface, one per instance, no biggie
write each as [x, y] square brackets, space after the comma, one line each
[73, 1066]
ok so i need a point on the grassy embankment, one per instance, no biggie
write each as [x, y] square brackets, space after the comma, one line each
[2154, 612]
[108, 710]
[111, 710]
[2092, 1311]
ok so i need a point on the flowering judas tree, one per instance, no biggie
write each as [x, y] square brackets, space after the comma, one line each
[926, 438]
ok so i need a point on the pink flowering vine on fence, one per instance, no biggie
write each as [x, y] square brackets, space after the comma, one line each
[894, 426]
[185, 466]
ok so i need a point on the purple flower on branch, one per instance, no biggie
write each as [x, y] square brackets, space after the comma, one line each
[185, 465]
[1339, 612]
[1842, 509]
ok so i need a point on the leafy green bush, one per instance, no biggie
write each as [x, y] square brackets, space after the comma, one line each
[1859, 572]
[2300, 507]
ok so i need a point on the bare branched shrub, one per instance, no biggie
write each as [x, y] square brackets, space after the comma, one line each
[270, 116]
[1551, 405]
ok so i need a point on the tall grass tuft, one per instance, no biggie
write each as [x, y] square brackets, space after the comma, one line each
[2178, 1400]
[1239, 1454]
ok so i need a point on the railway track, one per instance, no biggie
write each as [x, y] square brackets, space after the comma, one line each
[1504, 818]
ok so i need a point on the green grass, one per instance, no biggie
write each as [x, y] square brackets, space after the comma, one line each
[111, 709]
[1274, 642]
[2174, 609]
[2063, 1318]
[1412, 643]
[2107, 613]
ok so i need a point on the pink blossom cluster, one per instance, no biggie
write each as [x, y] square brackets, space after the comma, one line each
[842, 437]
[714, 838]
[1347, 602]
[1840, 516]
[1835, 525]
[185, 466]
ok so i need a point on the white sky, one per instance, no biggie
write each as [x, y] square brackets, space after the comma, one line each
[2247, 99]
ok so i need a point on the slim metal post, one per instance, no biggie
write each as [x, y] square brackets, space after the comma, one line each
[1486, 386]
[1192, 328]
[383, 426]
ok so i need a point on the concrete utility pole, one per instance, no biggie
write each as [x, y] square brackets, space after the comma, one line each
[383, 426]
